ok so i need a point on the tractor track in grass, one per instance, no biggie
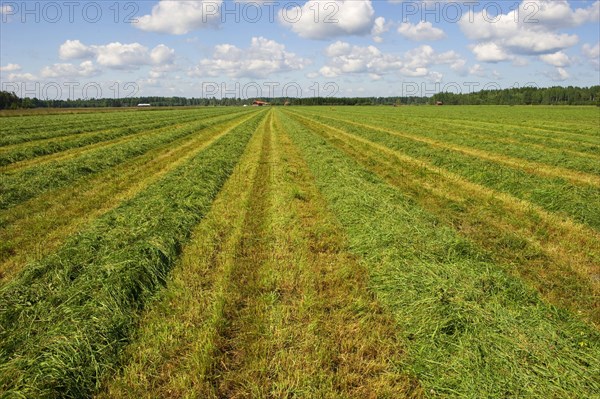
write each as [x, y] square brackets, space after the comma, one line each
[515, 138]
[20, 186]
[39, 226]
[289, 312]
[531, 167]
[98, 128]
[32, 149]
[75, 152]
[76, 309]
[558, 257]
[575, 137]
[501, 136]
[472, 329]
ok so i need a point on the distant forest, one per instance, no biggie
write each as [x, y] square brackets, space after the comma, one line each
[521, 96]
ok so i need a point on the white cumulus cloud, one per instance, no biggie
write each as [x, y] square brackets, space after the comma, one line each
[324, 19]
[531, 29]
[490, 52]
[10, 68]
[379, 28]
[85, 69]
[423, 31]
[344, 58]
[558, 59]
[179, 17]
[592, 53]
[118, 55]
[558, 75]
[74, 49]
[262, 59]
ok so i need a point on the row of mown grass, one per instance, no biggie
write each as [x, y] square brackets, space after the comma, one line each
[41, 126]
[65, 319]
[565, 121]
[20, 185]
[266, 301]
[456, 144]
[504, 123]
[38, 148]
[486, 141]
[33, 229]
[558, 257]
[470, 329]
[579, 201]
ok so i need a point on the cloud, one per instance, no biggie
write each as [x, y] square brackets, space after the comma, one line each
[10, 68]
[490, 52]
[85, 69]
[478, 70]
[161, 54]
[558, 59]
[531, 29]
[262, 59]
[435, 77]
[74, 49]
[592, 53]
[6, 9]
[345, 58]
[379, 28]
[180, 17]
[423, 31]
[20, 77]
[558, 75]
[118, 55]
[324, 19]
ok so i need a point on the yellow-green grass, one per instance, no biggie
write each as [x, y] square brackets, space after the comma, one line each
[530, 167]
[339, 259]
[65, 319]
[35, 228]
[40, 126]
[556, 256]
[20, 185]
[40, 149]
[558, 195]
[471, 329]
[494, 123]
[281, 310]
[74, 152]
[31, 131]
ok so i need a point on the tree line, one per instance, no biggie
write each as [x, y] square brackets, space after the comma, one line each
[516, 96]
[524, 96]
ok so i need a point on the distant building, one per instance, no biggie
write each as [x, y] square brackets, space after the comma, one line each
[439, 103]
[258, 103]
[144, 105]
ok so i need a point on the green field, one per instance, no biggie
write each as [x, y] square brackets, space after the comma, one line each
[300, 252]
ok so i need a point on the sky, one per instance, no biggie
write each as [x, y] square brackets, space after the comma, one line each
[249, 49]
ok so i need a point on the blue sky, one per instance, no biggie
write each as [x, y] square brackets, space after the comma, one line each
[70, 49]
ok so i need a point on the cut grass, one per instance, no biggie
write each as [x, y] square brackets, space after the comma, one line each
[64, 320]
[40, 149]
[281, 309]
[337, 260]
[471, 330]
[535, 168]
[559, 258]
[554, 195]
[34, 229]
[21, 185]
